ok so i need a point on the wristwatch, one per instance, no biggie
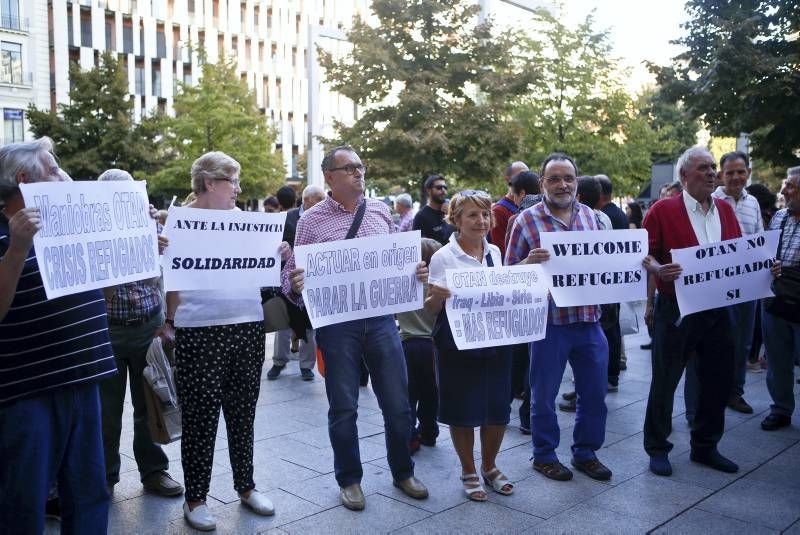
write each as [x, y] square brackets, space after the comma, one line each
[170, 322]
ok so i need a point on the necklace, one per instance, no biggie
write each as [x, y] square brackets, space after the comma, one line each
[477, 256]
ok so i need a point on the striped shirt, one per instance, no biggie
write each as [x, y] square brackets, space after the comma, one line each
[329, 221]
[528, 225]
[45, 344]
[790, 239]
[747, 210]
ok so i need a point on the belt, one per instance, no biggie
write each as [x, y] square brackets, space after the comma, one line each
[133, 322]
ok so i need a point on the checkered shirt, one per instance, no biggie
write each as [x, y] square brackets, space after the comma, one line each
[528, 225]
[134, 300]
[790, 240]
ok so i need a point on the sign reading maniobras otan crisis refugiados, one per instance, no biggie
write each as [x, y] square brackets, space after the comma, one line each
[93, 235]
[496, 306]
[725, 273]
[360, 278]
[218, 249]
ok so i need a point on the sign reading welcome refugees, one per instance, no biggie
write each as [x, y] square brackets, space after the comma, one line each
[217, 249]
[725, 273]
[93, 235]
[496, 306]
[596, 267]
[360, 278]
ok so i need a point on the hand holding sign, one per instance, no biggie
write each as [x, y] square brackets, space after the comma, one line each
[23, 226]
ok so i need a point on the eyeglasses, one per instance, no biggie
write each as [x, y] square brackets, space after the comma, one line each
[474, 193]
[440, 187]
[351, 169]
[235, 182]
[567, 179]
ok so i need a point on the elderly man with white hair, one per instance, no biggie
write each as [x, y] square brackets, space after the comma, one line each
[403, 206]
[135, 313]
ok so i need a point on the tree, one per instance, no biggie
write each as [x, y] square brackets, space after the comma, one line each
[675, 129]
[95, 131]
[434, 88]
[219, 114]
[741, 73]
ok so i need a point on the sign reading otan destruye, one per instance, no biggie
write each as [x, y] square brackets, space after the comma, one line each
[360, 278]
[725, 273]
[93, 235]
[596, 267]
[496, 306]
[218, 249]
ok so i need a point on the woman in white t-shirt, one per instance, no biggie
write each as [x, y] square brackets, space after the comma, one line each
[219, 353]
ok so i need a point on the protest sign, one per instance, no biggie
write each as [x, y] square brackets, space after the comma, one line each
[496, 306]
[218, 249]
[595, 267]
[360, 278]
[93, 235]
[725, 273]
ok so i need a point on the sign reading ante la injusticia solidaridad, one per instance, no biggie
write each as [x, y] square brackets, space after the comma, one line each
[360, 278]
[93, 235]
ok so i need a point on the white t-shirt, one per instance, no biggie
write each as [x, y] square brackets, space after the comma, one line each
[707, 227]
[452, 256]
[206, 308]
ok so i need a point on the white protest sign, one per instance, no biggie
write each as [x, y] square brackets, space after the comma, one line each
[725, 273]
[595, 267]
[496, 306]
[216, 249]
[360, 278]
[94, 234]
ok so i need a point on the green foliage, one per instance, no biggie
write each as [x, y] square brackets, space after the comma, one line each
[95, 131]
[741, 73]
[443, 87]
[219, 114]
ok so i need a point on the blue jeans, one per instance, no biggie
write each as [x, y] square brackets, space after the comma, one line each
[585, 347]
[55, 436]
[342, 346]
[782, 339]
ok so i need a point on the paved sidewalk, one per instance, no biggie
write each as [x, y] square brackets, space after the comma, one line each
[294, 466]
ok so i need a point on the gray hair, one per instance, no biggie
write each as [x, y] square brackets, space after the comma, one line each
[212, 166]
[404, 199]
[327, 161]
[114, 174]
[688, 155]
[24, 157]
[311, 190]
[793, 171]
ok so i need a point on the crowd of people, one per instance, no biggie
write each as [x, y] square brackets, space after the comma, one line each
[65, 363]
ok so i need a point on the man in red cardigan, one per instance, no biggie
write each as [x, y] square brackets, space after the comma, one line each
[686, 220]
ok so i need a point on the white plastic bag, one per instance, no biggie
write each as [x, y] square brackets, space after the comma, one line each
[628, 320]
[164, 413]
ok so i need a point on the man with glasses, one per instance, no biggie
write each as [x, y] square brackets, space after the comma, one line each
[345, 344]
[573, 333]
[430, 219]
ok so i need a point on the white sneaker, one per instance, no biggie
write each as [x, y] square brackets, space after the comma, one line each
[260, 504]
[200, 518]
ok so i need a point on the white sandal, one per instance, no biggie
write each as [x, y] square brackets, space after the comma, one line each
[498, 482]
[472, 486]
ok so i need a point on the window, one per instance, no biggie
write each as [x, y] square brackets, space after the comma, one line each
[139, 80]
[10, 63]
[110, 44]
[161, 43]
[10, 14]
[156, 78]
[191, 7]
[86, 28]
[14, 127]
[141, 38]
[187, 78]
[127, 36]
[70, 30]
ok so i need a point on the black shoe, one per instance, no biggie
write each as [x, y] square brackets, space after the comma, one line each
[648, 345]
[568, 406]
[623, 365]
[305, 374]
[52, 509]
[569, 396]
[740, 405]
[775, 421]
[274, 372]
[427, 441]
[555, 471]
[659, 465]
[714, 459]
[593, 468]
[525, 430]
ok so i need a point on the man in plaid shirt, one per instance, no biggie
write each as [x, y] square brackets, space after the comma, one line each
[344, 344]
[573, 333]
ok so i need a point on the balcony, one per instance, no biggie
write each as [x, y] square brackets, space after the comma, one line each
[14, 23]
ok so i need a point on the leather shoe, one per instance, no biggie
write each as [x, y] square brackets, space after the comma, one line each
[775, 421]
[659, 465]
[568, 406]
[162, 483]
[413, 488]
[555, 471]
[353, 497]
[569, 396]
[274, 372]
[306, 374]
[593, 468]
[714, 459]
[648, 345]
[740, 405]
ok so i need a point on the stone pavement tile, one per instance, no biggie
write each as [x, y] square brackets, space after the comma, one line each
[696, 520]
[270, 396]
[318, 436]
[270, 424]
[267, 475]
[794, 529]
[773, 506]
[782, 470]
[302, 413]
[237, 518]
[591, 520]
[650, 497]
[749, 442]
[147, 514]
[474, 517]
[624, 422]
[381, 515]
[324, 490]
[544, 498]
[317, 459]
[683, 469]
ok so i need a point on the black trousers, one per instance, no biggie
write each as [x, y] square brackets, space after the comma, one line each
[609, 321]
[708, 335]
[423, 395]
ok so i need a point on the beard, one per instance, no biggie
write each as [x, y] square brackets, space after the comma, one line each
[559, 203]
